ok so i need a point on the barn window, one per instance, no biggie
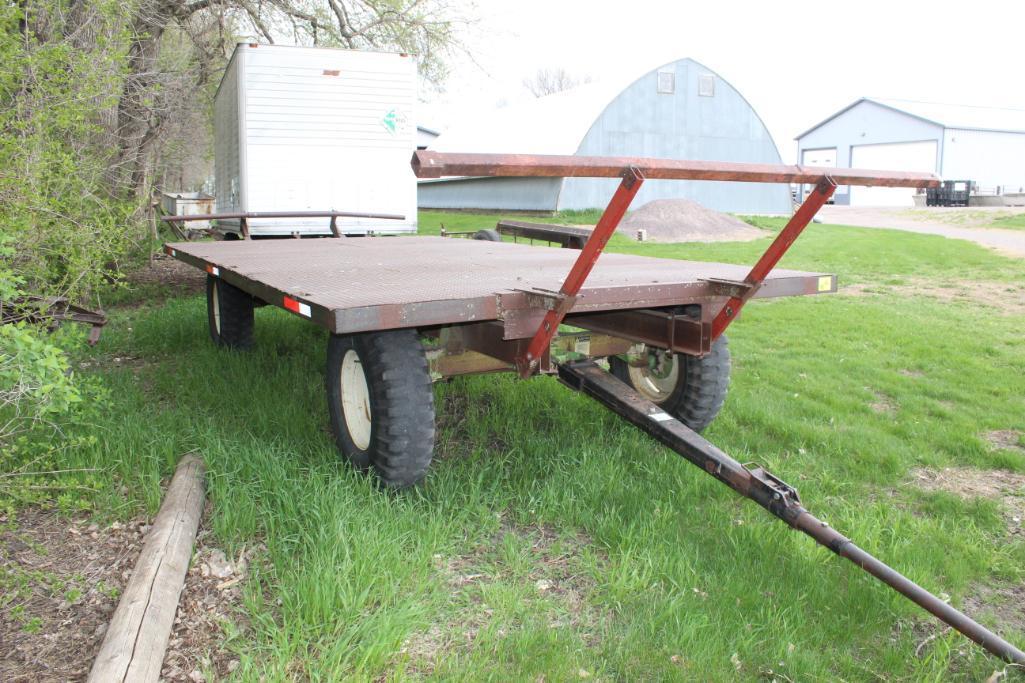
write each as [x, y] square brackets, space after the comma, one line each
[667, 82]
[706, 85]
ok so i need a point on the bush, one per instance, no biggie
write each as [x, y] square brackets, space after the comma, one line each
[67, 224]
[37, 387]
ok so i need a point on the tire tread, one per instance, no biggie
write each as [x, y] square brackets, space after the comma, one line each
[402, 404]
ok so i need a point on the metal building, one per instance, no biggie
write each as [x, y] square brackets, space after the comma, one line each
[681, 110]
[958, 142]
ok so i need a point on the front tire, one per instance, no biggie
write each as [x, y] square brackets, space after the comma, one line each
[690, 388]
[229, 313]
[381, 403]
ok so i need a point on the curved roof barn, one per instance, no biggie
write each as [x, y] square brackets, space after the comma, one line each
[681, 110]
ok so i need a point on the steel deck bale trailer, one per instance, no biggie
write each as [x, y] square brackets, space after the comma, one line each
[442, 307]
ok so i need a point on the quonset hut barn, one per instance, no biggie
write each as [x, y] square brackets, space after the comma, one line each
[681, 110]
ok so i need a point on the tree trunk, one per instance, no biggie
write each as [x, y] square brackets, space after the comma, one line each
[135, 125]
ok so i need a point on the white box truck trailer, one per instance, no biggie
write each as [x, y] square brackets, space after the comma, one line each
[315, 129]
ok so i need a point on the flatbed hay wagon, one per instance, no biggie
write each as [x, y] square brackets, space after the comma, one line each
[404, 312]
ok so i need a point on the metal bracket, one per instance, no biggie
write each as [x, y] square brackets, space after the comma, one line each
[730, 288]
[548, 300]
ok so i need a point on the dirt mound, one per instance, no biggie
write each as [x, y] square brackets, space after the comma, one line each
[684, 220]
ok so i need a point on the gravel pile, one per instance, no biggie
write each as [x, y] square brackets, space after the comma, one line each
[684, 220]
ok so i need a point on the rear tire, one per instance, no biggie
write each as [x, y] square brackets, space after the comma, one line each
[690, 388]
[229, 313]
[381, 402]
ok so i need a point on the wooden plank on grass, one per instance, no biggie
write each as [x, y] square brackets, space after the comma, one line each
[133, 648]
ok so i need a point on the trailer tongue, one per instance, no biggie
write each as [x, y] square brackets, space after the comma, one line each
[769, 491]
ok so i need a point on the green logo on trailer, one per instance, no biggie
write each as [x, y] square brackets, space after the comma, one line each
[394, 121]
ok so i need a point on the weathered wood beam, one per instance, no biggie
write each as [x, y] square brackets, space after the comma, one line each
[136, 640]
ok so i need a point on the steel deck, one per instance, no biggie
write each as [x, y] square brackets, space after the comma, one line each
[359, 284]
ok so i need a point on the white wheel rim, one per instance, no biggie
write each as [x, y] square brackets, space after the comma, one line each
[355, 400]
[216, 305]
[656, 387]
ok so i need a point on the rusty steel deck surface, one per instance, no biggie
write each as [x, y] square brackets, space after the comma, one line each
[359, 284]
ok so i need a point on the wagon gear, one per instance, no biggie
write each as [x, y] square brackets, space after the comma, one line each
[482, 306]
[690, 388]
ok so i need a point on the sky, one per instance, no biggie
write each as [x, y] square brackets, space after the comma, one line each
[795, 62]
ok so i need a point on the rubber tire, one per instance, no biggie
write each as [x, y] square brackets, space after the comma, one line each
[488, 235]
[401, 397]
[700, 389]
[236, 315]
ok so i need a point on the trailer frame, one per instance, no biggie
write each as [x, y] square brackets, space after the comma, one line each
[461, 334]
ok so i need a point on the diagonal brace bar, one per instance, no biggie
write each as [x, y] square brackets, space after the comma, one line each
[607, 224]
[797, 223]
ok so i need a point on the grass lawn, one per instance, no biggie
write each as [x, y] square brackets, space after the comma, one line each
[1013, 221]
[970, 218]
[552, 540]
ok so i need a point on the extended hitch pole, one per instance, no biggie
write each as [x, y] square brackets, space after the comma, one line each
[776, 496]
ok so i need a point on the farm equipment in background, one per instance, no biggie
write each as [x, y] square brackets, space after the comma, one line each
[563, 235]
[949, 193]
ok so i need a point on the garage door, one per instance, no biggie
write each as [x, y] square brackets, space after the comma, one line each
[818, 157]
[904, 156]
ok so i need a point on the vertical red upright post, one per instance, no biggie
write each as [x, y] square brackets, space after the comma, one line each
[797, 223]
[607, 224]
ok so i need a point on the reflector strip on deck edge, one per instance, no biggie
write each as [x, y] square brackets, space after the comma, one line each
[299, 307]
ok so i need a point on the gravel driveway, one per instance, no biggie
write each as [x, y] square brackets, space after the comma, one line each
[963, 224]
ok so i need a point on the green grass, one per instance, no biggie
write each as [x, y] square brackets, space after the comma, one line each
[970, 218]
[654, 570]
[430, 222]
[1013, 221]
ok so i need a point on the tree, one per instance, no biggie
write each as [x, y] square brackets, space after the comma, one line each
[100, 100]
[550, 81]
[151, 101]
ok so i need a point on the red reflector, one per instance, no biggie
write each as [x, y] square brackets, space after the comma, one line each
[297, 307]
